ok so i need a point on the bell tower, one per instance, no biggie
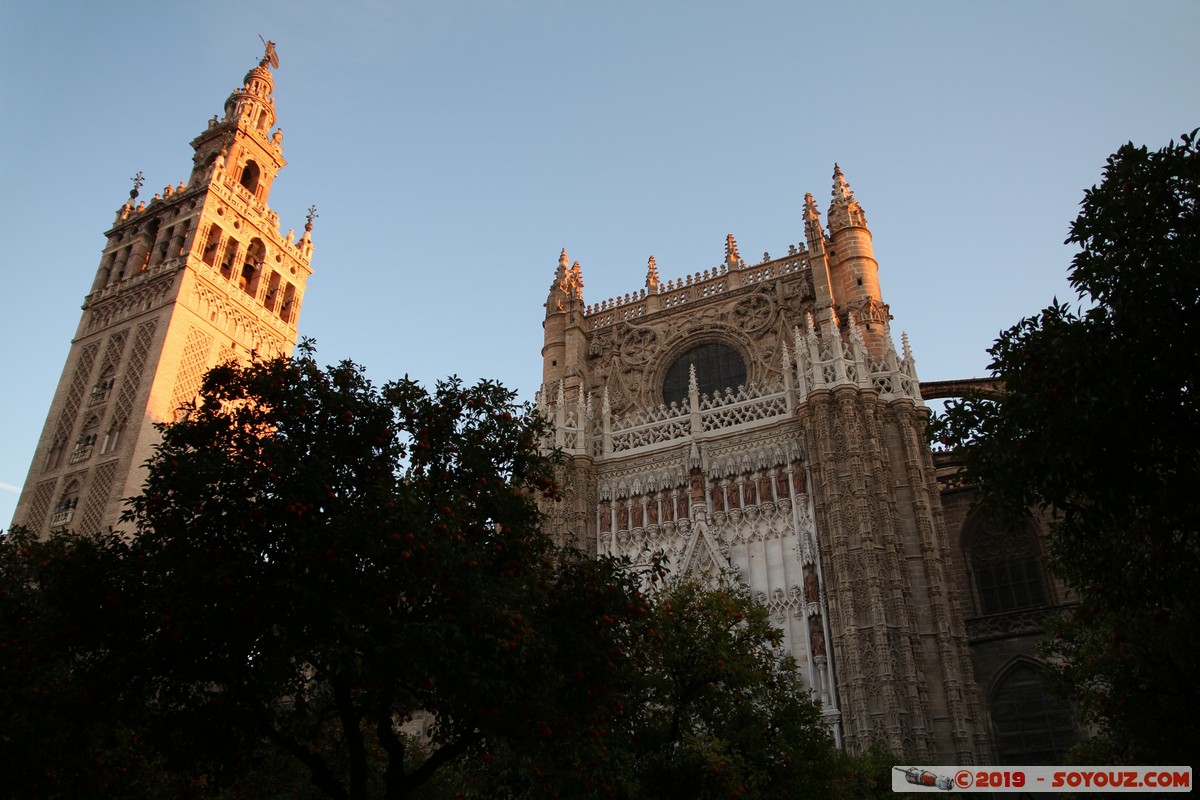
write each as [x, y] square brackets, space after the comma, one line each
[197, 276]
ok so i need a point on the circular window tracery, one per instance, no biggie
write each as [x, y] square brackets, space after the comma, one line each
[718, 367]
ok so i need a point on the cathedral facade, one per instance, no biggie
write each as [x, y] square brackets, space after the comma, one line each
[758, 419]
[198, 276]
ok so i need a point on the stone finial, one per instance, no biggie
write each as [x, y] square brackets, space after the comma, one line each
[560, 274]
[841, 189]
[732, 258]
[139, 180]
[576, 284]
[844, 210]
[855, 333]
[651, 275]
[813, 232]
[910, 367]
[811, 214]
[832, 320]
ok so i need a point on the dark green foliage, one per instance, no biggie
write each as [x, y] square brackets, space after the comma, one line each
[318, 562]
[1098, 425]
[61, 735]
[705, 709]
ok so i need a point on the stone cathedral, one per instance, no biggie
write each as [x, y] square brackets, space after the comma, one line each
[758, 418]
[754, 420]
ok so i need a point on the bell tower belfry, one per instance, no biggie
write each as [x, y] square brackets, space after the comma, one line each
[197, 276]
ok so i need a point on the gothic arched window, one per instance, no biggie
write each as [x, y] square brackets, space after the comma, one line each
[1029, 725]
[718, 367]
[1006, 568]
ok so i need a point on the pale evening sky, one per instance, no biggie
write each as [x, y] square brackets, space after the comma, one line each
[453, 148]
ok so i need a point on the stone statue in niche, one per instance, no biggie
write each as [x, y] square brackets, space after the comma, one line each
[605, 518]
[681, 507]
[637, 514]
[781, 485]
[751, 496]
[668, 509]
[718, 497]
[812, 586]
[652, 510]
[816, 635]
[798, 478]
[764, 488]
[622, 517]
[697, 487]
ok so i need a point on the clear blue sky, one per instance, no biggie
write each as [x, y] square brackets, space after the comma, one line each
[453, 148]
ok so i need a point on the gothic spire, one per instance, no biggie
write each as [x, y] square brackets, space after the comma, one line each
[560, 274]
[812, 224]
[651, 275]
[567, 284]
[844, 210]
[732, 258]
[575, 288]
[841, 189]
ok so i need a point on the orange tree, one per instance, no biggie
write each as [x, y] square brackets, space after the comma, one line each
[710, 708]
[319, 562]
[59, 735]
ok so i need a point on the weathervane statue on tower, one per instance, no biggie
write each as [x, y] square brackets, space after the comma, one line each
[270, 56]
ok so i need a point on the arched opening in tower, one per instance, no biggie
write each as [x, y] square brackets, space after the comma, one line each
[250, 176]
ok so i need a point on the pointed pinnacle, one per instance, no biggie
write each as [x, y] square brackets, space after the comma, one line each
[731, 250]
[841, 189]
[810, 208]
